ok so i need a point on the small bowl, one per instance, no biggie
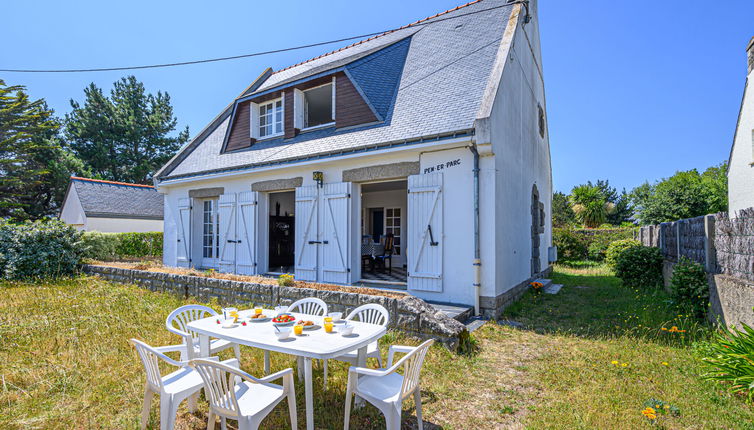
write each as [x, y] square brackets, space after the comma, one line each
[283, 332]
[336, 316]
[346, 330]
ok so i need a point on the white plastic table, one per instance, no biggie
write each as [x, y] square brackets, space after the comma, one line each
[315, 344]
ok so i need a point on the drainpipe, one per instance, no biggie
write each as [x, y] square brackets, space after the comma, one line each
[477, 253]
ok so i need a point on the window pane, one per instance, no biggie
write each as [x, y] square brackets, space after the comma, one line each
[318, 106]
[397, 221]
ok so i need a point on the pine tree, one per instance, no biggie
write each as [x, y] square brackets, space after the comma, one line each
[34, 168]
[126, 136]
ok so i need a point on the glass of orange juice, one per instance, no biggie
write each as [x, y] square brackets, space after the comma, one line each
[328, 319]
[298, 329]
[328, 327]
[258, 311]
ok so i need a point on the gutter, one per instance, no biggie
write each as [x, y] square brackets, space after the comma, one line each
[477, 262]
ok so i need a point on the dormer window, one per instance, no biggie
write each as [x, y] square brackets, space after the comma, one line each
[271, 118]
[319, 106]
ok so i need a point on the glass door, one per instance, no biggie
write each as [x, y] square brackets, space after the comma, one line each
[210, 229]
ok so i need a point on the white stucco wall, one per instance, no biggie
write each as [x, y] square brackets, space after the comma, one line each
[522, 159]
[72, 213]
[122, 225]
[741, 170]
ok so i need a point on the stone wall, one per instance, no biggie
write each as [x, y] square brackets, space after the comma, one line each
[731, 299]
[408, 313]
[493, 307]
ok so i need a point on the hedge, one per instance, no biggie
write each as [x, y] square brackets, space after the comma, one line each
[113, 246]
[41, 249]
[587, 244]
[640, 267]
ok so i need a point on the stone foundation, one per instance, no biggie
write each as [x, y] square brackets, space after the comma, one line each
[493, 307]
[409, 314]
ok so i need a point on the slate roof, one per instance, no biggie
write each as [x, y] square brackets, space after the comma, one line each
[118, 199]
[425, 80]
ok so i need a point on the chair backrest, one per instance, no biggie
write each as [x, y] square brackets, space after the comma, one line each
[149, 358]
[370, 313]
[412, 366]
[309, 306]
[219, 386]
[389, 240]
[179, 319]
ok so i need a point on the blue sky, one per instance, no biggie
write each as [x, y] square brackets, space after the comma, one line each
[635, 90]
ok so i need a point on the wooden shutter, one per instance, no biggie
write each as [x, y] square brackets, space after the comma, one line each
[425, 232]
[307, 199]
[298, 109]
[336, 226]
[254, 120]
[227, 233]
[246, 255]
[183, 232]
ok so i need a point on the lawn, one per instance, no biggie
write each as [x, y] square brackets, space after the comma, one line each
[65, 363]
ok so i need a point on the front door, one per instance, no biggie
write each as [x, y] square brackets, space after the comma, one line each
[323, 239]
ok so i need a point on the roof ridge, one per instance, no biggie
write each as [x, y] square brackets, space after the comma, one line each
[377, 36]
[78, 178]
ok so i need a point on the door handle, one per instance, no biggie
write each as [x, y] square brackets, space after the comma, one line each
[233, 241]
[431, 237]
[314, 242]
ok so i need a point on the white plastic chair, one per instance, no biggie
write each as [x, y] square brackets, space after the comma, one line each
[173, 388]
[308, 306]
[177, 323]
[234, 394]
[370, 313]
[386, 388]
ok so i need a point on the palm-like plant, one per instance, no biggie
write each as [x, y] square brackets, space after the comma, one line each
[590, 205]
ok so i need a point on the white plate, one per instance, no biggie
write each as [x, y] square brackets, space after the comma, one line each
[259, 320]
[312, 327]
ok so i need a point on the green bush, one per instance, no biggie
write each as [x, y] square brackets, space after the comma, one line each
[571, 245]
[140, 244]
[728, 356]
[640, 266]
[616, 248]
[100, 246]
[40, 249]
[689, 287]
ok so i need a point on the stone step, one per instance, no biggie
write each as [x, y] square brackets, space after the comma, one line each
[458, 312]
[474, 323]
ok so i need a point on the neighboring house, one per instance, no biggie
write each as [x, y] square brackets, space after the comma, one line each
[111, 207]
[741, 161]
[312, 163]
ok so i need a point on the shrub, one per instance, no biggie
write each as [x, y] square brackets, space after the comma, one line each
[640, 266]
[100, 246]
[285, 280]
[616, 248]
[40, 249]
[140, 244]
[728, 357]
[571, 245]
[689, 287]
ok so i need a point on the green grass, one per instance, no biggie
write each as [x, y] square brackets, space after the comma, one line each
[66, 363]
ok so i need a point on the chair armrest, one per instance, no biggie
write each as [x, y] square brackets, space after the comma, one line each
[397, 348]
[277, 375]
[170, 348]
[370, 372]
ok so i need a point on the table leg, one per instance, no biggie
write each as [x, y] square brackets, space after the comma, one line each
[203, 346]
[308, 393]
[266, 362]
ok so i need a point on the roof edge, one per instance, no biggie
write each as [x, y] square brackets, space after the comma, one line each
[206, 131]
[738, 123]
[102, 181]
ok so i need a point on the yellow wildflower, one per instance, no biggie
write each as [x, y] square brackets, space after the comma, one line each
[624, 365]
[615, 363]
[664, 363]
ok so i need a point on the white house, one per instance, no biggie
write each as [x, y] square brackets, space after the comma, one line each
[741, 161]
[111, 207]
[434, 135]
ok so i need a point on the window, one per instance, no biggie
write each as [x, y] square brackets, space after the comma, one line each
[393, 225]
[318, 106]
[271, 118]
[210, 219]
